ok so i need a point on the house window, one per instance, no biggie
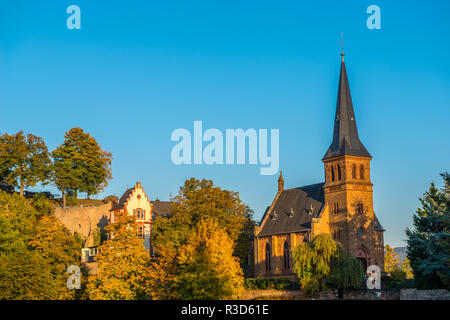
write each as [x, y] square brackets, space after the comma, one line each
[139, 214]
[354, 172]
[286, 255]
[268, 257]
[361, 172]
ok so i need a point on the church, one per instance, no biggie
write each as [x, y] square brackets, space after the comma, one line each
[342, 206]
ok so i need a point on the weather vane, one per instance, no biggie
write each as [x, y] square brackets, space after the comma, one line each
[342, 46]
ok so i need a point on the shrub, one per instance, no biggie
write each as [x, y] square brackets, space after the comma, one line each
[263, 284]
[111, 198]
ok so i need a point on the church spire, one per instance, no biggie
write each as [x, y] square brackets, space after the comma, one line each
[345, 134]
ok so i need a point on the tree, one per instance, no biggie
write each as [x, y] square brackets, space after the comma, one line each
[24, 275]
[199, 199]
[312, 262]
[346, 271]
[428, 242]
[391, 259]
[80, 164]
[35, 250]
[123, 264]
[323, 262]
[59, 248]
[203, 268]
[24, 160]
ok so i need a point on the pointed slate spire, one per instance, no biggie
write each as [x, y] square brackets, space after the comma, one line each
[345, 134]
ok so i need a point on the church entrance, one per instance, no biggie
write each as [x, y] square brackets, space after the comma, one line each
[363, 256]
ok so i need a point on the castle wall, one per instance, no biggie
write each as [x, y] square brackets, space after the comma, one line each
[84, 220]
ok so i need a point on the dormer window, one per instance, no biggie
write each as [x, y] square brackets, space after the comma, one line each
[274, 215]
[291, 213]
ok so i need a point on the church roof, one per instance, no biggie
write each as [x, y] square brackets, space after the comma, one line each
[345, 135]
[293, 210]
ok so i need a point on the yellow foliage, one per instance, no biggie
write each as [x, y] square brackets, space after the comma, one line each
[203, 268]
[122, 264]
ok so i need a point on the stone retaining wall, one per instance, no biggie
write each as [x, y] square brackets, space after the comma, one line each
[414, 294]
[84, 220]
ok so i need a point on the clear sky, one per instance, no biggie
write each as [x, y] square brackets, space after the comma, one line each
[137, 70]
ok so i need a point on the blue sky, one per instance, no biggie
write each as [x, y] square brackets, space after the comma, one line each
[137, 70]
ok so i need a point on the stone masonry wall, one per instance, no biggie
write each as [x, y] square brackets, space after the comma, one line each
[84, 220]
[414, 294]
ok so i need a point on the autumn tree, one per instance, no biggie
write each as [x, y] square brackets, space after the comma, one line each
[24, 275]
[24, 160]
[199, 199]
[203, 268]
[429, 240]
[123, 264]
[391, 259]
[35, 250]
[80, 164]
[60, 249]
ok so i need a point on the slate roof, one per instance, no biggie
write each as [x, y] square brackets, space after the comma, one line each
[377, 225]
[345, 135]
[292, 210]
[161, 208]
[122, 200]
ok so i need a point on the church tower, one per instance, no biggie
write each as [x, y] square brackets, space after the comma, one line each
[348, 187]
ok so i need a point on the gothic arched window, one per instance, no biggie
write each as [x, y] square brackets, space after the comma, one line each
[361, 172]
[359, 208]
[286, 255]
[268, 257]
[339, 172]
[332, 173]
[335, 208]
[354, 171]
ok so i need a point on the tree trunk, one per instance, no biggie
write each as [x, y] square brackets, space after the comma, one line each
[21, 189]
[341, 293]
[64, 197]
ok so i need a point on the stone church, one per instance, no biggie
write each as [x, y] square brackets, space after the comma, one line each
[342, 206]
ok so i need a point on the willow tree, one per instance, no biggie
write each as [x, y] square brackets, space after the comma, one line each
[312, 262]
[346, 272]
[323, 262]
